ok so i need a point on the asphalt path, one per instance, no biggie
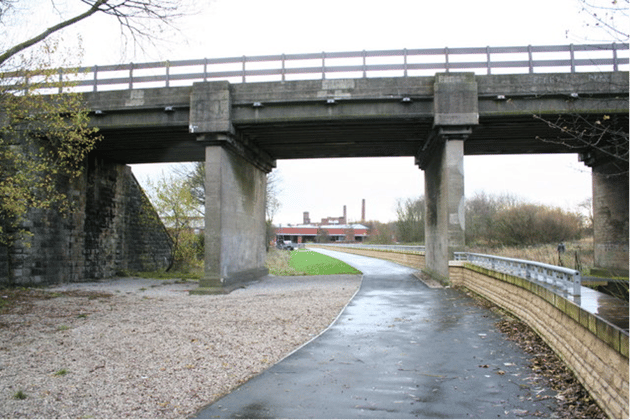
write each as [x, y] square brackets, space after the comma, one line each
[398, 350]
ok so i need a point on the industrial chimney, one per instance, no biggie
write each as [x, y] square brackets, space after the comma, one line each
[363, 211]
[345, 218]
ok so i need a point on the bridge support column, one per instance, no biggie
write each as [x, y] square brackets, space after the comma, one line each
[445, 204]
[235, 230]
[442, 158]
[236, 181]
[610, 219]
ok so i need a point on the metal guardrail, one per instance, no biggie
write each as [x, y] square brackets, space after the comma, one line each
[560, 280]
[406, 248]
[352, 64]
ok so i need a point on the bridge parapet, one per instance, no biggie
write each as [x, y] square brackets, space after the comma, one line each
[350, 64]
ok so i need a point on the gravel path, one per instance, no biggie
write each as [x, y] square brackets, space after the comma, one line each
[147, 349]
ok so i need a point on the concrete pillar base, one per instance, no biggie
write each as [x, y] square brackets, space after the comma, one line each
[218, 286]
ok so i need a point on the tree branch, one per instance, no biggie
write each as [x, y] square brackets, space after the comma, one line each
[29, 43]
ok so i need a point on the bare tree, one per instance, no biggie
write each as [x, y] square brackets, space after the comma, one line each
[603, 137]
[607, 16]
[135, 17]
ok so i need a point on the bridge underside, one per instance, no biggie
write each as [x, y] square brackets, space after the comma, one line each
[437, 120]
[357, 138]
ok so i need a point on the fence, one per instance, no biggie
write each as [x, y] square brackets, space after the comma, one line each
[353, 64]
[560, 280]
[406, 248]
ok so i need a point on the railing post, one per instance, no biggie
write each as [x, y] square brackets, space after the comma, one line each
[130, 76]
[168, 73]
[577, 284]
[283, 67]
[94, 87]
[531, 59]
[615, 63]
[60, 90]
[243, 74]
[572, 52]
[205, 69]
[489, 61]
[446, 62]
[323, 65]
[405, 61]
[364, 65]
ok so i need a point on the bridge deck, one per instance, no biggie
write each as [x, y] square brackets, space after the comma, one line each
[366, 118]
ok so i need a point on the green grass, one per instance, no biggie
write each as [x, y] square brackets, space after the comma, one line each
[61, 372]
[20, 395]
[313, 264]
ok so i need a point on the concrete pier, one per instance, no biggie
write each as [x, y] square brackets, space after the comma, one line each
[610, 217]
[455, 113]
[235, 248]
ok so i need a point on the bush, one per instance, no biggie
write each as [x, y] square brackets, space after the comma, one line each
[506, 220]
[531, 224]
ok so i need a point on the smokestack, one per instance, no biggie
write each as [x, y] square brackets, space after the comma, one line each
[345, 219]
[363, 211]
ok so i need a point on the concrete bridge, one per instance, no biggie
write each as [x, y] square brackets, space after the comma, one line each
[241, 129]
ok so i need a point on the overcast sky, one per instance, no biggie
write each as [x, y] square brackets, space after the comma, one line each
[224, 28]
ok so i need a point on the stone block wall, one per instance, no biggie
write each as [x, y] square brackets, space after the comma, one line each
[113, 228]
[595, 350]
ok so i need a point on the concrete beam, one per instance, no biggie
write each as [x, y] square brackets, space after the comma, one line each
[211, 122]
[211, 108]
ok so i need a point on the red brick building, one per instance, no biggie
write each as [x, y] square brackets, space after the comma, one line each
[330, 233]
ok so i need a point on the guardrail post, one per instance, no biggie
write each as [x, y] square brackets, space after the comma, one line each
[60, 80]
[243, 71]
[577, 284]
[283, 67]
[364, 65]
[94, 87]
[405, 61]
[489, 60]
[168, 73]
[446, 58]
[130, 76]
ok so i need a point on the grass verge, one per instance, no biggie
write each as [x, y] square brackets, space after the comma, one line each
[315, 264]
[304, 263]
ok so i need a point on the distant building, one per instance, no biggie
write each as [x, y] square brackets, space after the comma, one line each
[331, 229]
[332, 233]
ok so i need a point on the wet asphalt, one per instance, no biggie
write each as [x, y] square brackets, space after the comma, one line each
[398, 350]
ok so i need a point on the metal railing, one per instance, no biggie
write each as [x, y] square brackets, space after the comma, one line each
[406, 248]
[561, 280]
[351, 64]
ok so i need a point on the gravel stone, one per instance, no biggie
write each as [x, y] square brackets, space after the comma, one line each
[147, 349]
